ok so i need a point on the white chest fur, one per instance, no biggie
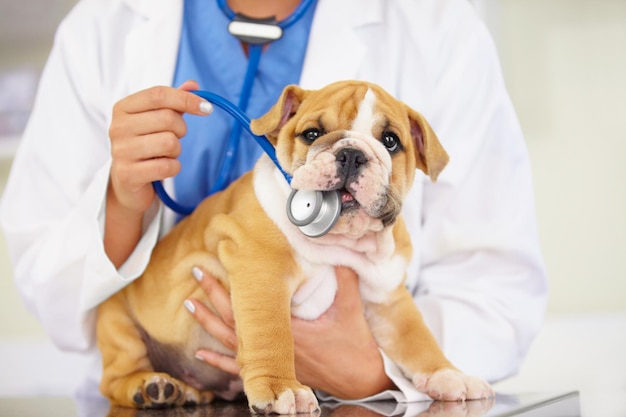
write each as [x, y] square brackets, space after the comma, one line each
[372, 257]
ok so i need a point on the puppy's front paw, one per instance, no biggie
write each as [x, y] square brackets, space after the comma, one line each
[268, 397]
[452, 385]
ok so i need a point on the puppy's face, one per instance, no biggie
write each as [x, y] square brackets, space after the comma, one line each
[353, 137]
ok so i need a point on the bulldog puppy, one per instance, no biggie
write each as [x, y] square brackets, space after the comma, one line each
[349, 136]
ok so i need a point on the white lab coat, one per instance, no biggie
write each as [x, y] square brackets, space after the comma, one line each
[477, 274]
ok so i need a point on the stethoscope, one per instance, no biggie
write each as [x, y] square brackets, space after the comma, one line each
[313, 212]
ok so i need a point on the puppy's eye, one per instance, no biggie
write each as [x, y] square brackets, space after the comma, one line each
[391, 141]
[310, 135]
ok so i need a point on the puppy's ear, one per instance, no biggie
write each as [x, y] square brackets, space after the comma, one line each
[430, 156]
[271, 122]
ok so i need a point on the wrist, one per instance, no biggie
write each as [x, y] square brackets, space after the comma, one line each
[122, 229]
[366, 388]
[370, 380]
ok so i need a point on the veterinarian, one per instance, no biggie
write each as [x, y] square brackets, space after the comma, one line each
[81, 217]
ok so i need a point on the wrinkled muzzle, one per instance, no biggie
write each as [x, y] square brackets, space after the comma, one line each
[359, 167]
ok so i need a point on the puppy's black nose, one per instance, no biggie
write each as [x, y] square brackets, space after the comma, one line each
[350, 161]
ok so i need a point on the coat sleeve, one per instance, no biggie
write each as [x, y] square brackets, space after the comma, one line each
[53, 206]
[478, 275]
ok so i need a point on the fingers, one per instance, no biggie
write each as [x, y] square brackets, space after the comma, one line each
[218, 296]
[150, 146]
[346, 277]
[219, 322]
[160, 97]
[148, 121]
[139, 174]
[189, 85]
[143, 159]
[157, 109]
[223, 362]
[145, 130]
[347, 296]
[212, 323]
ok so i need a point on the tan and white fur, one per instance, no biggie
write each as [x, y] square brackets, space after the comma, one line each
[351, 136]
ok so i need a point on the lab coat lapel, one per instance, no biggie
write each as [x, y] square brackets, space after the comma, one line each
[335, 51]
[151, 49]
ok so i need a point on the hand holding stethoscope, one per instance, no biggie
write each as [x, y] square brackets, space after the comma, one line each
[144, 134]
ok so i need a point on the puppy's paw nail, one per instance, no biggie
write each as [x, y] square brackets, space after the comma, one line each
[138, 399]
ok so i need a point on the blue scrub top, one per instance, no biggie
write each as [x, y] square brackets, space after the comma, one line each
[216, 59]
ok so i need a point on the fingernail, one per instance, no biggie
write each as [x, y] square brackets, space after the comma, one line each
[197, 273]
[200, 358]
[189, 306]
[206, 107]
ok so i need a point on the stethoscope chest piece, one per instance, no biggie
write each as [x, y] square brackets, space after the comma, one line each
[314, 212]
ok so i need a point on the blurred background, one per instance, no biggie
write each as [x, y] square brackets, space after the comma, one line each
[564, 62]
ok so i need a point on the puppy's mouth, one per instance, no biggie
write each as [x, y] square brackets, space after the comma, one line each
[386, 208]
[348, 202]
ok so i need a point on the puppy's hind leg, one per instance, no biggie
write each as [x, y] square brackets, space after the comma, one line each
[128, 377]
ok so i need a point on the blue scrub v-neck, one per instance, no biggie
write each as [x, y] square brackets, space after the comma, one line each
[216, 59]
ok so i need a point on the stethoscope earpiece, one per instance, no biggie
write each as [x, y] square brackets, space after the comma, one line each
[314, 212]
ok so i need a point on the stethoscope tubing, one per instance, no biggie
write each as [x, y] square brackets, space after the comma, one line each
[244, 122]
[238, 112]
[222, 180]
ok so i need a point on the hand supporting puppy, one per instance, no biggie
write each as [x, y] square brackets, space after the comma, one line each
[335, 353]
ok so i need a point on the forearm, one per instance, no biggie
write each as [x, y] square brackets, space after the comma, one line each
[122, 230]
